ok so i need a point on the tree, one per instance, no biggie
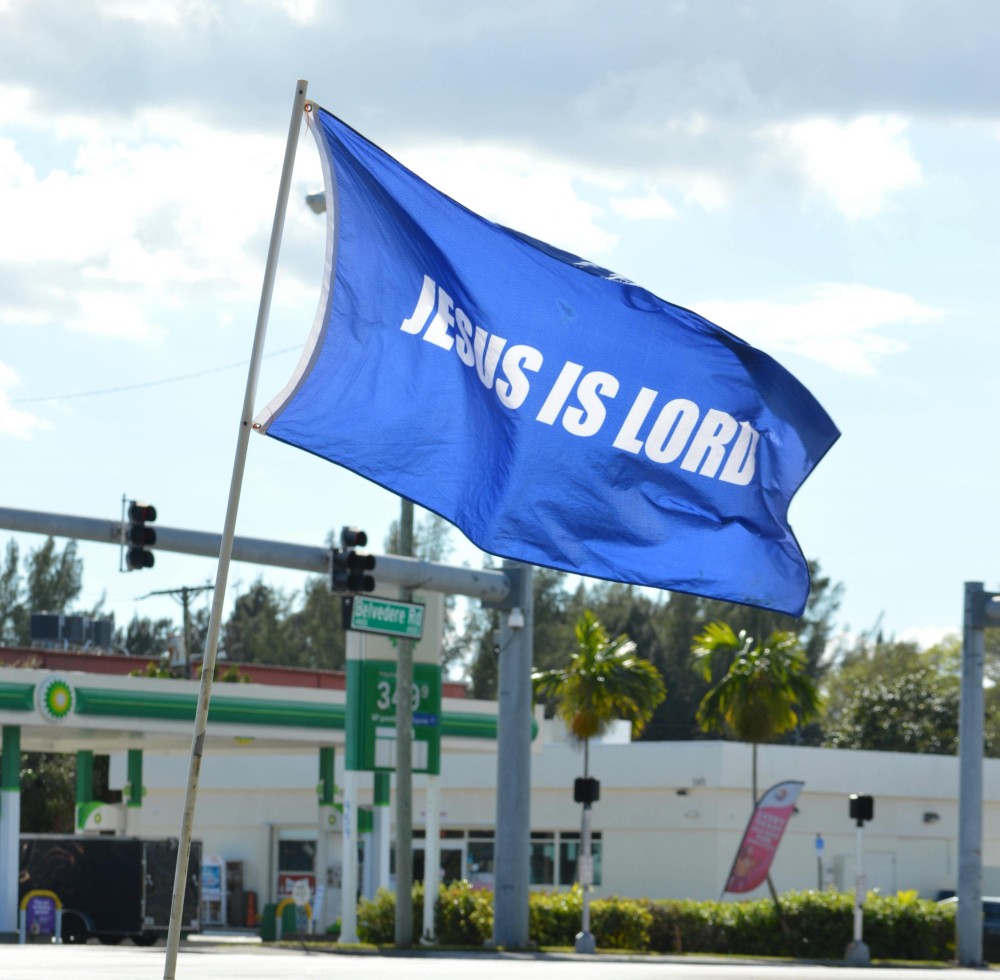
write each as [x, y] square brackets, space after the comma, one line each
[51, 581]
[145, 637]
[316, 628]
[48, 793]
[893, 697]
[555, 611]
[764, 692]
[605, 680]
[257, 630]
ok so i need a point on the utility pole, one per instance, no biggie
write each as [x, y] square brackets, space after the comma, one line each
[186, 593]
[982, 609]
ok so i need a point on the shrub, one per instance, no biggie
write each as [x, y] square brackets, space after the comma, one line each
[554, 917]
[464, 915]
[813, 925]
[621, 923]
[377, 916]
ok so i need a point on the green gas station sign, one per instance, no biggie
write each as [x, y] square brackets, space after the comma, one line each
[371, 736]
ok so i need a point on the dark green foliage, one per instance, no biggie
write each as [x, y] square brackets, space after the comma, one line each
[662, 626]
[48, 793]
[464, 915]
[818, 925]
[51, 581]
[915, 712]
[620, 923]
[554, 917]
[377, 916]
[144, 637]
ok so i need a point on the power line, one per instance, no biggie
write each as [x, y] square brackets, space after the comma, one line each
[144, 384]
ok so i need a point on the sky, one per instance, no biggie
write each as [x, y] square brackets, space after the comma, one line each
[818, 178]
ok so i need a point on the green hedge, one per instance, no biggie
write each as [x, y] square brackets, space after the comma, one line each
[813, 925]
[816, 925]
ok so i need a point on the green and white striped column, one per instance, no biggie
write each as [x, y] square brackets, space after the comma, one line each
[10, 826]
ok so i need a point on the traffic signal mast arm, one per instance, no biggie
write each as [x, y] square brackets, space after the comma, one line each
[490, 585]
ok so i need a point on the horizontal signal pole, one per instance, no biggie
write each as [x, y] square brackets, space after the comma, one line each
[490, 585]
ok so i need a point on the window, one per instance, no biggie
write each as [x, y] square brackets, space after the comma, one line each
[479, 859]
[296, 855]
[543, 858]
[569, 852]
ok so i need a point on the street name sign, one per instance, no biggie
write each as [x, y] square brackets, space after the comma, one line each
[389, 617]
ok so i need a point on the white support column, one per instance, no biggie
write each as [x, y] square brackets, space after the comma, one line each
[383, 830]
[432, 855]
[355, 654]
[10, 828]
[349, 860]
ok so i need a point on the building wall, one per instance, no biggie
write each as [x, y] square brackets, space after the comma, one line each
[671, 814]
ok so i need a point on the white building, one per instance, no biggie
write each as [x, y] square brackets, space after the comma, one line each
[668, 823]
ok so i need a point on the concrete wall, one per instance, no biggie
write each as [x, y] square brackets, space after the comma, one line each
[671, 814]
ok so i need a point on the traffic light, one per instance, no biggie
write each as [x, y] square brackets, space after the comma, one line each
[862, 808]
[350, 567]
[586, 790]
[138, 537]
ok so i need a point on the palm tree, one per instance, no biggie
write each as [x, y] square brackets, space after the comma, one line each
[765, 691]
[605, 680]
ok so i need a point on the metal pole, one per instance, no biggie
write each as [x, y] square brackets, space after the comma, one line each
[404, 757]
[585, 942]
[512, 858]
[488, 584]
[228, 534]
[968, 919]
[857, 950]
[859, 881]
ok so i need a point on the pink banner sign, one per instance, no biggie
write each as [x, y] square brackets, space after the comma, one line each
[762, 837]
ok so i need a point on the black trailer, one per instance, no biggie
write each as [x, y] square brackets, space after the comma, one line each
[113, 888]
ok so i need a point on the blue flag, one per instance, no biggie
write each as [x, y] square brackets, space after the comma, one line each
[556, 413]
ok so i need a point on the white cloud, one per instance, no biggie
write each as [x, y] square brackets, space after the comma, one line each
[150, 208]
[539, 197]
[300, 11]
[112, 314]
[857, 164]
[15, 101]
[178, 13]
[650, 205]
[14, 421]
[838, 325]
[928, 636]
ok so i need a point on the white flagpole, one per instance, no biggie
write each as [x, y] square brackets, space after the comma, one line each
[228, 534]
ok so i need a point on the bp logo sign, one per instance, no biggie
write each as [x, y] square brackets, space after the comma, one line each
[54, 698]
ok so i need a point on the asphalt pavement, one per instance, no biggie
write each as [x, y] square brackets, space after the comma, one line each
[242, 957]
